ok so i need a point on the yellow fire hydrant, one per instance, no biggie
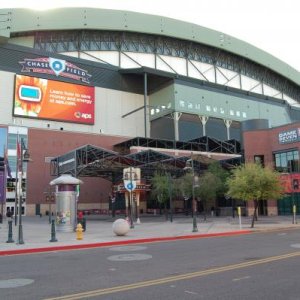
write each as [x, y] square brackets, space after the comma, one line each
[79, 230]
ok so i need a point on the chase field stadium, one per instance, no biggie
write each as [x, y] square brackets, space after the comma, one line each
[92, 91]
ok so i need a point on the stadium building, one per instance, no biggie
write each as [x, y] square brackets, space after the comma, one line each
[88, 91]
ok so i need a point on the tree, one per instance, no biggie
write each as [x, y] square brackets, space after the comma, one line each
[205, 188]
[161, 188]
[209, 185]
[252, 182]
[221, 174]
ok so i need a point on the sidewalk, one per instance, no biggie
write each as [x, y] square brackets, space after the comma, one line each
[37, 231]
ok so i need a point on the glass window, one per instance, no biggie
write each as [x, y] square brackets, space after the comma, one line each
[287, 161]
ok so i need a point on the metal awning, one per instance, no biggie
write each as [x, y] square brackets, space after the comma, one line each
[92, 161]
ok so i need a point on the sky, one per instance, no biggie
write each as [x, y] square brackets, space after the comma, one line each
[273, 26]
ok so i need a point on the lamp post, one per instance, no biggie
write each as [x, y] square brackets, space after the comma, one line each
[190, 166]
[23, 157]
[170, 197]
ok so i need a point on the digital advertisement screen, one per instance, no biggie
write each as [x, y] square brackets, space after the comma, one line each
[54, 100]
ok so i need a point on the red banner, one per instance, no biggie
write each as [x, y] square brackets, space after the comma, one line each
[54, 100]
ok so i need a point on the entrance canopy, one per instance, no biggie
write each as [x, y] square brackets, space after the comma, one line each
[93, 161]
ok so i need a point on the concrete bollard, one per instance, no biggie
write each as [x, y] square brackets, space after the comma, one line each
[120, 227]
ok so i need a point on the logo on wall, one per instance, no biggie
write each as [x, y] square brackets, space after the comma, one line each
[57, 65]
[54, 66]
[290, 136]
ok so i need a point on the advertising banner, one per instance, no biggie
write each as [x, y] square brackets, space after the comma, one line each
[54, 100]
[2, 186]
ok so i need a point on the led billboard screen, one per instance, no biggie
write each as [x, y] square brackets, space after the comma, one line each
[54, 100]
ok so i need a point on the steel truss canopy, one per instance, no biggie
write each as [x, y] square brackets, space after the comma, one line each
[202, 144]
[93, 161]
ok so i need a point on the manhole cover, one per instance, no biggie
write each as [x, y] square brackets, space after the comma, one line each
[128, 248]
[129, 257]
[14, 283]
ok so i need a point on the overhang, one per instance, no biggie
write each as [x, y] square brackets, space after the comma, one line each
[24, 20]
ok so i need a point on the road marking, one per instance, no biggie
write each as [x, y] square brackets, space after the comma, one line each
[129, 257]
[189, 292]
[241, 278]
[15, 283]
[128, 248]
[174, 278]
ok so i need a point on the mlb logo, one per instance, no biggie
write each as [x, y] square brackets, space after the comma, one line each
[57, 65]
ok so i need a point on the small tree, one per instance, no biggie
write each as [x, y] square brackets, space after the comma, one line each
[161, 189]
[252, 182]
[209, 185]
[206, 188]
[221, 174]
[183, 188]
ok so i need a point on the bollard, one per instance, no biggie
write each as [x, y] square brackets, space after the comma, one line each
[79, 230]
[10, 233]
[294, 214]
[53, 232]
[239, 212]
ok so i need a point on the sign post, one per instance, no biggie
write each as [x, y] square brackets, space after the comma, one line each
[130, 178]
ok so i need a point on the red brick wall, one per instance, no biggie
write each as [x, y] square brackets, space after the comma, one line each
[265, 142]
[48, 143]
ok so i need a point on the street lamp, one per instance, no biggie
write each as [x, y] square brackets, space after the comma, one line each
[23, 156]
[190, 166]
[170, 197]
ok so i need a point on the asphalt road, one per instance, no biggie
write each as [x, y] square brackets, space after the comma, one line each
[254, 266]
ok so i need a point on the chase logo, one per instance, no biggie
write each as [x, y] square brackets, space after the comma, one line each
[57, 65]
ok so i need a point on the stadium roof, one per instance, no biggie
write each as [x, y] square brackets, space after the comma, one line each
[17, 21]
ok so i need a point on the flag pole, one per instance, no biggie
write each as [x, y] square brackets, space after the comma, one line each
[16, 181]
[4, 183]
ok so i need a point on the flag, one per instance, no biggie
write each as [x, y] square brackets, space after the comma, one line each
[6, 164]
[19, 167]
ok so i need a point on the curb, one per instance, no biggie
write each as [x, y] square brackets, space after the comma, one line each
[118, 243]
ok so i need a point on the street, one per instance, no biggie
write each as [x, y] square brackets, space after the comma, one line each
[255, 266]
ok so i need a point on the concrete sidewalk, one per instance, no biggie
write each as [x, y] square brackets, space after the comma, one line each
[37, 231]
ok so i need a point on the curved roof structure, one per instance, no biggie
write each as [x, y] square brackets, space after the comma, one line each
[16, 21]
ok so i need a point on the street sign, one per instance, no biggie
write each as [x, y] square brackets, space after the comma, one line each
[130, 185]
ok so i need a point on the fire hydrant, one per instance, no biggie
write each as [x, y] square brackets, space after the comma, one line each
[79, 230]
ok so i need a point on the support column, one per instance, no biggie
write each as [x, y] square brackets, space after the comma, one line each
[145, 102]
[176, 116]
[227, 124]
[203, 120]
